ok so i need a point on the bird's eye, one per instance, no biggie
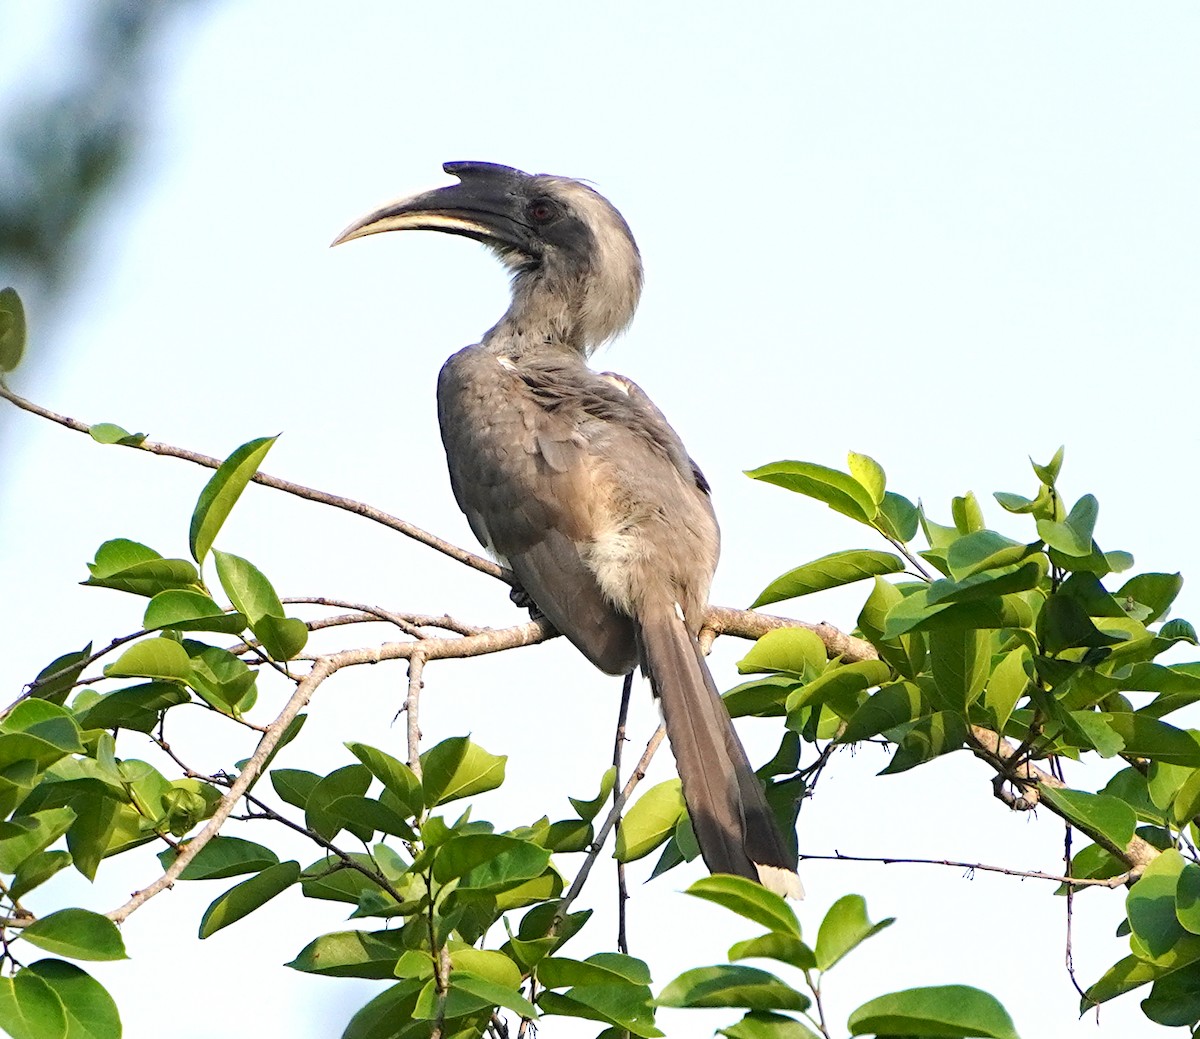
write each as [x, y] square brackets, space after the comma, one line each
[542, 211]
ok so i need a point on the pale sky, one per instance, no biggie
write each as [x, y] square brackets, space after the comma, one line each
[949, 236]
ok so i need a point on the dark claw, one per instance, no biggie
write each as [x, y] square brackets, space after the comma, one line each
[520, 599]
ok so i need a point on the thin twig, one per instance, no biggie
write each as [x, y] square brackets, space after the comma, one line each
[1110, 882]
[639, 773]
[417, 620]
[618, 747]
[484, 566]
[237, 788]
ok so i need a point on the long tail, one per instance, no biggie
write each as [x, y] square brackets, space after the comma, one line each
[734, 826]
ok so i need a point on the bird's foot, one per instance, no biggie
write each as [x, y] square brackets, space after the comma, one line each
[520, 598]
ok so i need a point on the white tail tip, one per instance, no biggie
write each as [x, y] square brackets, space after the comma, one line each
[784, 882]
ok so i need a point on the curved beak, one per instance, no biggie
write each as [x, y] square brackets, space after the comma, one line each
[486, 205]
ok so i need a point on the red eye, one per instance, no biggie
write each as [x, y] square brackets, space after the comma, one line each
[542, 211]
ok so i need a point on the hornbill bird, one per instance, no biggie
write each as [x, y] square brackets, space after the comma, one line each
[575, 480]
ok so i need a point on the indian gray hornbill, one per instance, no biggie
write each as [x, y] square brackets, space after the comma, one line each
[575, 480]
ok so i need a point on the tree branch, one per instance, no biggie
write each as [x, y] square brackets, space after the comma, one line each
[1110, 882]
[484, 566]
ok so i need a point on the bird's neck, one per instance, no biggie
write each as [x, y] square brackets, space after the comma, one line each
[561, 312]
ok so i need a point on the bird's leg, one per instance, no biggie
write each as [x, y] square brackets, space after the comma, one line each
[522, 601]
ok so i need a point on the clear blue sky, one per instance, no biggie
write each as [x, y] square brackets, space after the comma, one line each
[949, 236]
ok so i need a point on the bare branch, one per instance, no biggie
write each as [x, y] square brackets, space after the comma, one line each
[484, 566]
[1002, 756]
[304, 691]
[639, 773]
[1110, 882]
[416, 665]
[750, 624]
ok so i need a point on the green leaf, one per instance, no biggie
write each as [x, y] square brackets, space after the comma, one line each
[12, 329]
[91, 835]
[56, 680]
[1008, 682]
[1123, 976]
[1175, 999]
[1097, 732]
[282, 637]
[990, 583]
[221, 493]
[223, 857]
[129, 566]
[831, 571]
[294, 785]
[249, 591]
[627, 1006]
[1187, 898]
[381, 1017]
[570, 835]
[598, 969]
[458, 768]
[960, 661]
[1063, 624]
[729, 985]
[1098, 815]
[242, 899]
[796, 651]
[845, 926]
[36, 870]
[986, 550]
[111, 433]
[942, 1010]
[1018, 504]
[90, 1010]
[350, 780]
[1180, 631]
[588, 810]
[914, 613]
[1156, 932]
[1048, 473]
[185, 610]
[1154, 591]
[397, 778]
[1147, 737]
[352, 954]
[905, 654]
[360, 814]
[1187, 800]
[898, 517]
[161, 658]
[869, 473]
[841, 686]
[748, 899]
[26, 835]
[840, 491]
[650, 821]
[1073, 536]
[765, 1025]
[30, 1008]
[892, 705]
[968, 517]
[77, 933]
[761, 697]
[221, 678]
[782, 947]
[491, 993]
[137, 707]
[940, 733]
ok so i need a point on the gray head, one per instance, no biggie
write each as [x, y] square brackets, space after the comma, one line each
[577, 274]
